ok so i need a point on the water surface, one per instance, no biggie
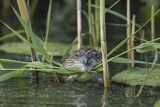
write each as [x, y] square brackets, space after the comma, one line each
[21, 92]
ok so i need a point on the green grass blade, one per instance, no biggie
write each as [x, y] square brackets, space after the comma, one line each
[148, 73]
[39, 65]
[97, 22]
[8, 75]
[89, 16]
[12, 61]
[4, 37]
[125, 40]
[121, 16]
[147, 47]
[115, 13]
[48, 23]
[37, 42]
[12, 64]
[126, 61]
[1, 67]
[18, 35]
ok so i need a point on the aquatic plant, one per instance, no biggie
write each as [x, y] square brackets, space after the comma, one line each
[96, 23]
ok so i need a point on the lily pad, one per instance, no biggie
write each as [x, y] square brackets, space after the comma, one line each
[136, 76]
[23, 49]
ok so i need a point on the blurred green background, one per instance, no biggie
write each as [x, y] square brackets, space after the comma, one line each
[64, 22]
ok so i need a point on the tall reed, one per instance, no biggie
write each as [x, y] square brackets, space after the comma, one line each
[91, 24]
[104, 45]
[128, 30]
[48, 23]
[97, 22]
[79, 24]
[130, 36]
[142, 37]
[152, 24]
[25, 17]
[90, 16]
[132, 39]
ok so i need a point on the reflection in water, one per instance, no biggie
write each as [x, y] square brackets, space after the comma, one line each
[129, 95]
[46, 93]
[80, 102]
[105, 98]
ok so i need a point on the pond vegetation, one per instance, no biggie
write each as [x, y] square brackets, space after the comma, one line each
[47, 57]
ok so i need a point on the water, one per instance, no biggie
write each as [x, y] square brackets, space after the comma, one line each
[20, 92]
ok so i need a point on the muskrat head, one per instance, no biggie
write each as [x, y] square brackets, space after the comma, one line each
[83, 59]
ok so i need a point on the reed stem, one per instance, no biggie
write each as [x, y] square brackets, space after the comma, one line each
[132, 39]
[94, 42]
[48, 24]
[89, 17]
[128, 29]
[125, 40]
[142, 40]
[97, 22]
[79, 24]
[152, 24]
[103, 45]
[25, 17]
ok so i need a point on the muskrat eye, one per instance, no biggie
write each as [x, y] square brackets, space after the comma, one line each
[98, 56]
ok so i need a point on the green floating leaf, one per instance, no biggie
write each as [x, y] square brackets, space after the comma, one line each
[56, 49]
[136, 76]
[147, 47]
[16, 48]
